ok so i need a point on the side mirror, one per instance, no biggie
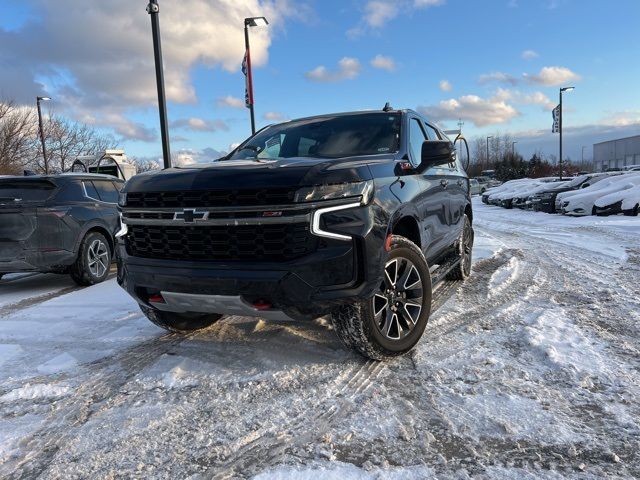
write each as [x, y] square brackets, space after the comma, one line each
[438, 152]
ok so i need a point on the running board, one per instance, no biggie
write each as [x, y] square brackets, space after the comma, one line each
[440, 272]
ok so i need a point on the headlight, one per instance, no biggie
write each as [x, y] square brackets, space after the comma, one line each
[122, 199]
[336, 191]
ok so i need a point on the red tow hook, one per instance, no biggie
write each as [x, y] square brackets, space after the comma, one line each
[156, 299]
[262, 305]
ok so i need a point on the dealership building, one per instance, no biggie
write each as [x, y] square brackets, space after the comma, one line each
[616, 153]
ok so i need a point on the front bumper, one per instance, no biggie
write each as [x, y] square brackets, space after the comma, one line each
[613, 209]
[339, 271]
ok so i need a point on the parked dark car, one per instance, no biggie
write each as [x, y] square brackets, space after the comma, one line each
[545, 201]
[355, 215]
[59, 223]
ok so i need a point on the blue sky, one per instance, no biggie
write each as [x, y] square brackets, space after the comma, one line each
[495, 63]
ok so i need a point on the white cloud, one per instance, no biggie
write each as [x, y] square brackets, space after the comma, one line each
[230, 101]
[481, 112]
[622, 119]
[552, 76]
[530, 54]
[275, 117]
[428, 3]
[199, 125]
[530, 98]
[499, 77]
[383, 63]
[379, 12]
[445, 86]
[106, 58]
[348, 69]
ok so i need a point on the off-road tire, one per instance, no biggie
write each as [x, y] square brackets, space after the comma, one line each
[356, 326]
[180, 322]
[464, 251]
[81, 271]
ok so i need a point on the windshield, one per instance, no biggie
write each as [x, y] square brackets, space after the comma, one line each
[325, 137]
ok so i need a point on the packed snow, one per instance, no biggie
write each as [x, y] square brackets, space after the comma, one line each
[530, 369]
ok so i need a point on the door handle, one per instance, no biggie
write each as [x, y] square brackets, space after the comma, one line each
[444, 183]
[460, 182]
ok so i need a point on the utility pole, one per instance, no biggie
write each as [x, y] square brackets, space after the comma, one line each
[246, 68]
[44, 148]
[154, 11]
[488, 149]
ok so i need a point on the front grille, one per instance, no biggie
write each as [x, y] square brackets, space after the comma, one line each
[211, 198]
[251, 242]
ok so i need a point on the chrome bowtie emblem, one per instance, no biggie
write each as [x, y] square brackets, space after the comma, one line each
[190, 215]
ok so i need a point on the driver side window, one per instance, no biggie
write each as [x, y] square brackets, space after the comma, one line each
[416, 139]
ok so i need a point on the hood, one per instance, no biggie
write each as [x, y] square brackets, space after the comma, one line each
[250, 174]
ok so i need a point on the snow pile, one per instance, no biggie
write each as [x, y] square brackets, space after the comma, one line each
[563, 343]
[345, 471]
[35, 392]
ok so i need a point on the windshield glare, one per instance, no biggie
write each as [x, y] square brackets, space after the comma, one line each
[326, 137]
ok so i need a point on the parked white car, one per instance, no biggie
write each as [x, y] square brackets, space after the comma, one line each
[625, 201]
[603, 180]
[583, 203]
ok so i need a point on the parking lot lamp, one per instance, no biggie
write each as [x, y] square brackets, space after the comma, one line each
[488, 138]
[154, 12]
[513, 148]
[44, 149]
[562, 90]
[246, 67]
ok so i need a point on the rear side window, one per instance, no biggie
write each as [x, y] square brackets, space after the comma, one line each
[118, 185]
[26, 190]
[91, 190]
[106, 190]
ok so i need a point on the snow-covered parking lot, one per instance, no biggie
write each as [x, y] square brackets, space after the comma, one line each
[529, 369]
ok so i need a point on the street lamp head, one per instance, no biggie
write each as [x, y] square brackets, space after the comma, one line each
[255, 21]
[43, 99]
[567, 89]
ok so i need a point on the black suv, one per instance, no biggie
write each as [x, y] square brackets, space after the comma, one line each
[355, 215]
[59, 223]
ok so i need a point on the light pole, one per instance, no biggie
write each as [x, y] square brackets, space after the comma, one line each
[246, 68]
[154, 11]
[562, 90]
[44, 149]
[513, 148]
[583, 147]
[488, 149]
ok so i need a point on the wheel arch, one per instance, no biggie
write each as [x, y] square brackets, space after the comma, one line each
[468, 211]
[99, 228]
[407, 226]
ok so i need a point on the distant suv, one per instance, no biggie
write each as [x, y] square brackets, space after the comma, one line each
[355, 215]
[59, 223]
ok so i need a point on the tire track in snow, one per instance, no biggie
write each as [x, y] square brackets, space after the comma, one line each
[105, 378]
[268, 447]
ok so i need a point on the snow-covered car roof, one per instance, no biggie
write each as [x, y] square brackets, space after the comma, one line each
[629, 197]
[584, 201]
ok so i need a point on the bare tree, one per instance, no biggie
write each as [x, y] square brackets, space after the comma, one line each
[145, 164]
[66, 140]
[18, 137]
